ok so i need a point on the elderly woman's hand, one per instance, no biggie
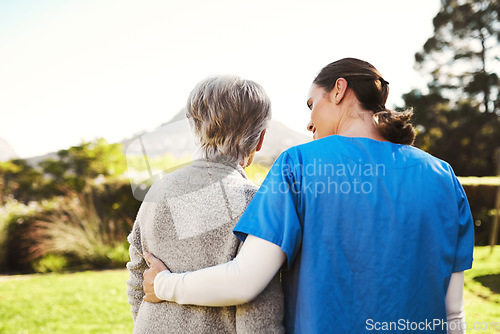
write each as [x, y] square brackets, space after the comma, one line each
[149, 275]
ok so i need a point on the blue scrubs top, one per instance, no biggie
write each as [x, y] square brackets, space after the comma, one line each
[372, 232]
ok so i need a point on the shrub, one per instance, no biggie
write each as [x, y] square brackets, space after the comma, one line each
[89, 229]
[76, 231]
[50, 263]
[15, 218]
[481, 193]
[118, 256]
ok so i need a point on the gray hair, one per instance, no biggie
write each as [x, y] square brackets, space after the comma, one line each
[227, 115]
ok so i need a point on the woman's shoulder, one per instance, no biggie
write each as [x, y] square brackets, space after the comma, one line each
[426, 158]
[330, 145]
[342, 149]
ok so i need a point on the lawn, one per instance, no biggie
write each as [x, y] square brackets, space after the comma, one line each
[84, 302]
[95, 301]
[482, 289]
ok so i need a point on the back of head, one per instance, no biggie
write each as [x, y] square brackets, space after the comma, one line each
[227, 115]
[372, 91]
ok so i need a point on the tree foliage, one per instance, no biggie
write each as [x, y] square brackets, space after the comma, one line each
[72, 170]
[78, 165]
[20, 180]
[458, 119]
[463, 53]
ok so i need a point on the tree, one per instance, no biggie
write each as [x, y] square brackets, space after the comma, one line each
[458, 119]
[20, 180]
[78, 165]
[464, 50]
[459, 135]
[73, 169]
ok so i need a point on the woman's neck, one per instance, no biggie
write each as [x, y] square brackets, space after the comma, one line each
[360, 125]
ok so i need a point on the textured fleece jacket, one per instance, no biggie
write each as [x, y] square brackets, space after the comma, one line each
[186, 220]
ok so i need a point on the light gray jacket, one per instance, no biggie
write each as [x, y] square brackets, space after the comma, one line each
[186, 220]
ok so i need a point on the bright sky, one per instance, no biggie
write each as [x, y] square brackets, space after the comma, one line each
[79, 70]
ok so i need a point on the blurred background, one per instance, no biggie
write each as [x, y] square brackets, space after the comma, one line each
[83, 82]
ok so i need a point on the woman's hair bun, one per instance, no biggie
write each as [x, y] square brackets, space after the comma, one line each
[395, 126]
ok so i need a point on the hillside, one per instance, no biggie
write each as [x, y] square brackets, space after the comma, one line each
[174, 137]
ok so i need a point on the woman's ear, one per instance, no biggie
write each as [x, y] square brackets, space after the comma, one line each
[261, 140]
[338, 92]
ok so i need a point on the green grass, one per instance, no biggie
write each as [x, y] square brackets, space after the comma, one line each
[482, 288]
[95, 301]
[84, 302]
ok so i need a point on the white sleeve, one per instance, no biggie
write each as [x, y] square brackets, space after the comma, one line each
[455, 313]
[232, 283]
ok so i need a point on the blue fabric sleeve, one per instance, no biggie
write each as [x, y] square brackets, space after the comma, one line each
[273, 212]
[465, 244]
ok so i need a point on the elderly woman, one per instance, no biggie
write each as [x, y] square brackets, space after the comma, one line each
[376, 234]
[187, 217]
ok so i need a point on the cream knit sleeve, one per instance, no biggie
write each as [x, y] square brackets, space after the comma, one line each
[136, 267]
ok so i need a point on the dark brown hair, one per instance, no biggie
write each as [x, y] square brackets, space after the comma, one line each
[371, 90]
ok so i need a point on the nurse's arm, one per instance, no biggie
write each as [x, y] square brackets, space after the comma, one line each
[455, 304]
[232, 283]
